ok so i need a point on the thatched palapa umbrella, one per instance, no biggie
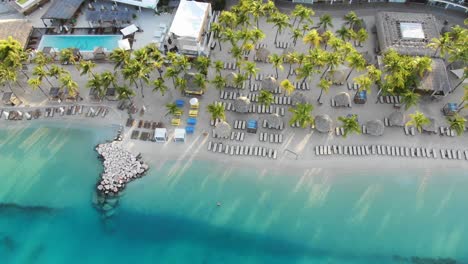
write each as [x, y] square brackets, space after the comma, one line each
[230, 80]
[273, 121]
[397, 119]
[375, 127]
[222, 130]
[323, 123]
[262, 54]
[298, 98]
[342, 99]
[338, 76]
[269, 84]
[431, 127]
[242, 104]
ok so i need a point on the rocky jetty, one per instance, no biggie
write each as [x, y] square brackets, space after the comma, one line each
[120, 168]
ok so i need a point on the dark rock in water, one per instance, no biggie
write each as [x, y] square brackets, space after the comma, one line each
[4, 207]
[418, 260]
[8, 243]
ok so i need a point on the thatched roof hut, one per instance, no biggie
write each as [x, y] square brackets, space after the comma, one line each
[431, 127]
[323, 123]
[338, 76]
[269, 84]
[298, 98]
[342, 99]
[18, 29]
[222, 130]
[396, 119]
[230, 80]
[262, 54]
[375, 127]
[273, 121]
[242, 104]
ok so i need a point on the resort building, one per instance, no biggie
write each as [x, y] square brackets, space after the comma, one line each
[188, 32]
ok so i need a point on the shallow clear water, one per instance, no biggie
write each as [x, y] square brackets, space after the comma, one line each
[83, 43]
[170, 215]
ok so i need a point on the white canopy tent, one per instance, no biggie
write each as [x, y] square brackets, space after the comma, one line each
[160, 135]
[179, 135]
[129, 30]
[124, 44]
[189, 20]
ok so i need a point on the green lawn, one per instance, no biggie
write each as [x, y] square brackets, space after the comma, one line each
[21, 2]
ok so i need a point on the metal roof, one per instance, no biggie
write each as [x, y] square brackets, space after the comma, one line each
[62, 9]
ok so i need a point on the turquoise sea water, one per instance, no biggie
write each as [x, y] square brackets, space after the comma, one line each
[84, 43]
[48, 174]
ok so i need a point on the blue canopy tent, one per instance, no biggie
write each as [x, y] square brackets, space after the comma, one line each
[191, 121]
[360, 97]
[450, 109]
[180, 103]
[189, 129]
[252, 126]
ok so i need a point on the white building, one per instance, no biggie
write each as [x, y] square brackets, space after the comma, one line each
[152, 4]
[189, 27]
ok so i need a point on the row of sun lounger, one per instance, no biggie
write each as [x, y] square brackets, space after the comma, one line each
[260, 45]
[301, 86]
[387, 122]
[102, 111]
[272, 138]
[409, 130]
[253, 87]
[333, 103]
[214, 122]
[453, 154]
[263, 109]
[230, 66]
[237, 136]
[240, 124]
[389, 99]
[265, 125]
[278, 100]
[353, 86]
[260, 76]
[282, 45]
[144, 124]
[447, 131]
[228, 95]
[339, 131]
[296, 124]
[381, 150]
[145, 136]
[52, 111]
[241, 150]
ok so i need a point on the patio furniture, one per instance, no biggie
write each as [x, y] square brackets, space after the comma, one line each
[189, 129]
[180, 103]
[175, 121]
[193, 113]
[450, 109]
[191, 121]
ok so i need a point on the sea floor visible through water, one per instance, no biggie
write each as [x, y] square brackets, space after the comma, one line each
[48, 176]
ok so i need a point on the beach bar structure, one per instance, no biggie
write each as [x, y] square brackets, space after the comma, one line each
[18, 29]
[189, 28]
[179, 135]
[62, 11]
[160, 135]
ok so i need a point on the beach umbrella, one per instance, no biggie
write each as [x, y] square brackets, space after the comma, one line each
[6, 114]
[222, 130]
[431, 127]
[124, 44]
[273, 120]
[397, 119]
[375, 127]
[298, 98]
[193, 101]
[323, 123]
[242, 104]
[342, 99]
[338, 76]
[262, 54]
[269, 84]
[230, 80]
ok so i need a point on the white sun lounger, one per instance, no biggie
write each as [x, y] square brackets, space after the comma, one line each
[379, 151]
[215, 147]
[321, 150]
[220, 148]
[275, 154]
[442, 153]
[449, 154]
[316, 151]
[329, 150]
[423, 152]
[359, 150]
[226, 150]
[459, 154]
[264, 152]
[466, 154]
[397, 151]
[406, 130]
[210, 145]
[340, 150]
[335, 149]
[354, 151]
[393, 151]
[345, 150]
[237, 150]
[412, 131]
[270, 153]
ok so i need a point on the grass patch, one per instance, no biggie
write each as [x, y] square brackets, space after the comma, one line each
[22, 2]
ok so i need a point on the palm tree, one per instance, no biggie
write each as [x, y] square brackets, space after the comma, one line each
[465, 75]
[422, 65]
[216, 29]
[457, 123]
[418, 120]
[257, 11]
[56, 71]
[295, 35]
[265, 98]
[181, 83]
[325, 21]
[239, 79]
[219, 82]
[327, 36]
[305, 72]
[160, 86]
[11, 53]
[173, 110]
[134, 71]
[200, 81]
[202, 63]
[364, 83]
[355, 61]
[350, 124]
[67, 56]
[301, 12]
[124, 92]
[236, 53]
[361, 36]
[351, 18]
[227, 19]
[251, 70]
[410, 99]
[313, 38]
[324, 86]
[277, 62]
[41, 73]
[68, 83]
[108, 78]
[216, 111]
[332, 60]
[218, 66]
[291, 58]
[173, 74]
[36, 83]
[86, 67]
[441, 44]
[280, 21]
[287, 86]
[96, 83]
[8, 75]
[41, 59]
[343, 33]
[119, 57]
[302, 114]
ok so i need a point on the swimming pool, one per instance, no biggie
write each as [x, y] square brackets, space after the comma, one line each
[82, 42]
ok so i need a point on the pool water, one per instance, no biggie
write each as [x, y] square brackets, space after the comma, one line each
[82, 42]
